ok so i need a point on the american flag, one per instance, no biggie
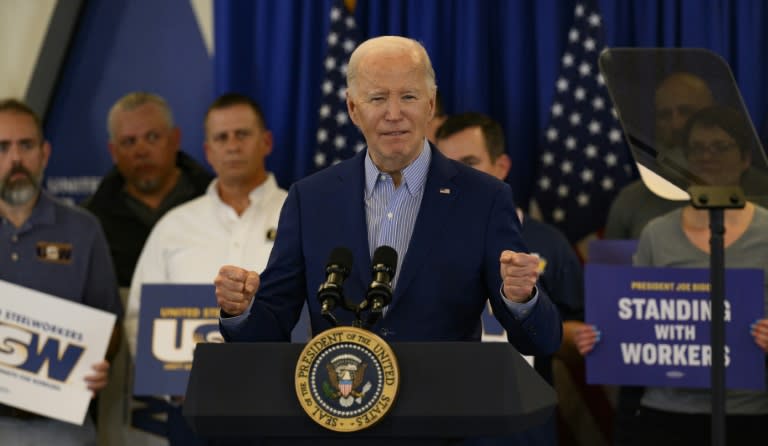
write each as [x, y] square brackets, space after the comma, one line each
[584, 160]
[337, 136]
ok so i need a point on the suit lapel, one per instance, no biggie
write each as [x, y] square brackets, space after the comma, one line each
[436, 204]
[352, 212]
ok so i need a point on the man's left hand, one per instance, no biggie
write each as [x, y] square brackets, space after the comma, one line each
[519, 273]
[98, 379]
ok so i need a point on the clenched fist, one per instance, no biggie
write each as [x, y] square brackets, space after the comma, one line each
[519, 273]
[235, 288]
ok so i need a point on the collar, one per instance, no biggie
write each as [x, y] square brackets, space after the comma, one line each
[414, 174]
[44, 212]
[257, 195]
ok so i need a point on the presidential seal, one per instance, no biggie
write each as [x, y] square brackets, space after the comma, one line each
[347, 379]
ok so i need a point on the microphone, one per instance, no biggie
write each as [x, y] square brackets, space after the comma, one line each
[330, 293]
[380, 291]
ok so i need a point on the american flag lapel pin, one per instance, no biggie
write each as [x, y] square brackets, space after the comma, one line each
[445, 191]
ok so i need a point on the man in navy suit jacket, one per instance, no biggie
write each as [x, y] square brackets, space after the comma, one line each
[454, 228]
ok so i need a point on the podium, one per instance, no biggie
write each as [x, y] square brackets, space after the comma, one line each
[447, 391]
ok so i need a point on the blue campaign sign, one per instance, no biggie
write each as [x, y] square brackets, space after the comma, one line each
[172, 320]
[612, 252]
[492, 329]
[655, 326]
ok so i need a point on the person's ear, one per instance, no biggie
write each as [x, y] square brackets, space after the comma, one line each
[46, 153]
[112, 151]
[267, 142]
[432, 102]
[352, 108]
[501, 166]
[207, 151]
[176, 138]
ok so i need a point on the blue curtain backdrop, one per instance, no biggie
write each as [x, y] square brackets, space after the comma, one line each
[500, 57]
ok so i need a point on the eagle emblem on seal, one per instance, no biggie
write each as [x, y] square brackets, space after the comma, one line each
[346, 373]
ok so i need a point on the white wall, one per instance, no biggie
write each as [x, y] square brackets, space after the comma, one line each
[204, 12]
[23, 24]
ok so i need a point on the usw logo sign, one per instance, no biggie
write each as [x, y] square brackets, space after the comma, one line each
[27, 350]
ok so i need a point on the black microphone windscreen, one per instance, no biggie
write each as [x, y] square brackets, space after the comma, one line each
[385, 255]
[342, 257]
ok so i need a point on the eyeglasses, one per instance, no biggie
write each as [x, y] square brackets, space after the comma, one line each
[716, 148]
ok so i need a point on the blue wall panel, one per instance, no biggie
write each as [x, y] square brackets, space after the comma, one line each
[122, 46]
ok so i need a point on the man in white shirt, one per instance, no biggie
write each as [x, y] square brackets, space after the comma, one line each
[234, 222]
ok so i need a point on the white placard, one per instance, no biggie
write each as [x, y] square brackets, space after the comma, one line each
[47, 347]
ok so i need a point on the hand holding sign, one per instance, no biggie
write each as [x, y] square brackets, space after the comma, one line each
[586, 338]
[97, 380]
[759, 331]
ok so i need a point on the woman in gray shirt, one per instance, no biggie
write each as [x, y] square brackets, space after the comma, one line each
[717, 139]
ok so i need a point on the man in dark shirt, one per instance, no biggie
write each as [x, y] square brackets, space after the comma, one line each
[478, 141]
[151, 175]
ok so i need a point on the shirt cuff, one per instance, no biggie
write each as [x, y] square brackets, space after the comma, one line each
[520, 310]
[234, 321]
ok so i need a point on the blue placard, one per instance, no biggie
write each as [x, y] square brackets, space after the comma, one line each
[656, 331]
[612, 252]
[172, 320]
[492, 329]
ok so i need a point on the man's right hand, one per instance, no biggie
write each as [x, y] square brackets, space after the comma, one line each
[586, 337]
[235, 288]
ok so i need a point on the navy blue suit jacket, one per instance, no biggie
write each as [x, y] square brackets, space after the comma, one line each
[466, 220]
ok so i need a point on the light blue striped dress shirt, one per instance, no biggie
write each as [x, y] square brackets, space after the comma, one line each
[391, 212]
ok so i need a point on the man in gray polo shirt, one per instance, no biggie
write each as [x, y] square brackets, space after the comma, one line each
[34, 226]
